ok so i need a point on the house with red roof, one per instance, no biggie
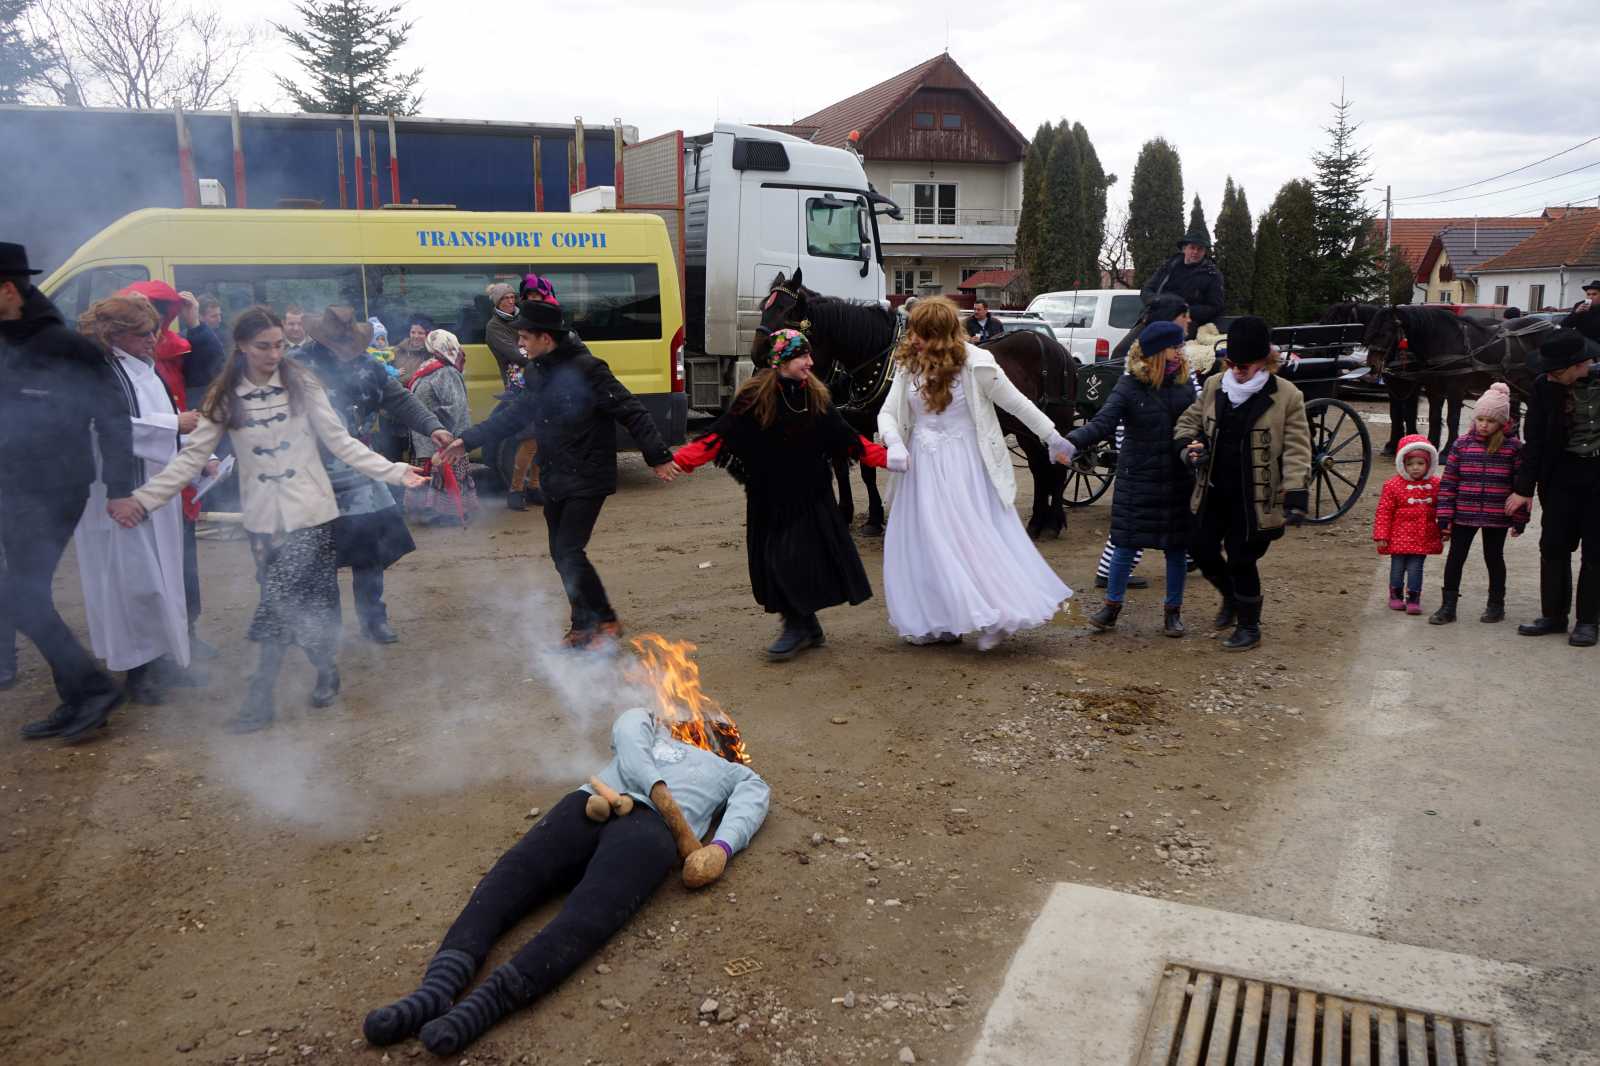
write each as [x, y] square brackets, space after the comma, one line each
[1548, 269]
[932, 141]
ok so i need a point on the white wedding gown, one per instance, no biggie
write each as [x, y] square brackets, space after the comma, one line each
[956, 558]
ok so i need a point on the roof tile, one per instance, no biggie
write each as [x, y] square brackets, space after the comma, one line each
[1572, 239]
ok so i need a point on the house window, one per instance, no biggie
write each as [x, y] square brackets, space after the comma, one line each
[922, 120]
[913, 282]
[1535, 297]
[933, 204]
[950, 122]
[1444, 296]
[1502, 294]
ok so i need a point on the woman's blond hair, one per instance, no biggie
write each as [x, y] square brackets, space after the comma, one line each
[118, 314]
[944, 350]
[1145, 369]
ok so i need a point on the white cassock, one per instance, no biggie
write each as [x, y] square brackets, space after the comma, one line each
[133, 578]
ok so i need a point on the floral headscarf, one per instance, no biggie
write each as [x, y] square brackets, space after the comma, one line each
[446, 347]
[786, 345]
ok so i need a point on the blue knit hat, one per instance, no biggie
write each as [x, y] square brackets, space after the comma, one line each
[1159, 336]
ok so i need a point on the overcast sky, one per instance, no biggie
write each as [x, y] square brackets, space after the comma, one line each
[1240, 88]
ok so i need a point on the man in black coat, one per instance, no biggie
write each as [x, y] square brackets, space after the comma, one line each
[1561, 463]
[59, 397]
[1585, 317]
[1193, 277]
[983, 326]
[573, 402]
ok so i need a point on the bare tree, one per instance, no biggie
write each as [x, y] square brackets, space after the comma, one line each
[1116, 257]
[141, 54]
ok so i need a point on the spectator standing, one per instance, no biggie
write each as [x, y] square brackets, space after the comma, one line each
[573, 402]
[133, 579]
[210, 312]
[982, 326]
[370, 534]
[1406, 523]
[1585, 317]
[1561, 463]
[279, 417]
[294, 329]
[8, 623]
[500, 337]
[59, 402]
[437, 383]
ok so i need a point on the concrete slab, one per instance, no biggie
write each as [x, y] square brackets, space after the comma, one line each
[1081, 987]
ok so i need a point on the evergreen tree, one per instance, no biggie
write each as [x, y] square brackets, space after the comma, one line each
[1235, 249]
[1062, 233]
[1349, 257]
[347, 50]
[1155, 207]
[1294, 210]
[1270, 295]
[1092, 229]
[1031, 221]
[1197, 219]
[1401, 279]
[22, 61]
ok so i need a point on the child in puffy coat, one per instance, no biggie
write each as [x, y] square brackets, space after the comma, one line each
[1406, 526]
[1479, 473]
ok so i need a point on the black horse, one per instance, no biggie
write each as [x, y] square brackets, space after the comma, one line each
[1404, 393]
[852, 345]
[1437, 351]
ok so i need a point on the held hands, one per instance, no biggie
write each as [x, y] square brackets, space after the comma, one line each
[451, 450]
[443, 438]
[126, 512]
[897, 459]
[187, 421]
[1062, 450]
[1515, 503]
[1383, 545]
[667, 471]
[1195, 453]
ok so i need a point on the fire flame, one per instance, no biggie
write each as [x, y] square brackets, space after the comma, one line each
[682, 706]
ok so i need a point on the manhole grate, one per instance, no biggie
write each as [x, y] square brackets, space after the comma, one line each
[1205, 1018]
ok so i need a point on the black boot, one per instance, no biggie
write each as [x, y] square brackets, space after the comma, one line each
[1247, 632]
[1172, 625]
[376, 628]
[1543, 627]
[1584, 635]
[8, 660]
[516, 501]
[1105, 618]
[502, 992]
[327, 687]
[1495, 611]
[260, 704]
[50, 726]
[1226, 615]
[143, 685]
[448, 974]
[1447, 609]
[199, 649]
[90, 714]
[795, 637]
[174, 676]
[814, 627]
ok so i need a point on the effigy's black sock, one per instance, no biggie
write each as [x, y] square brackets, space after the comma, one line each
[503, 991]
[449, 972]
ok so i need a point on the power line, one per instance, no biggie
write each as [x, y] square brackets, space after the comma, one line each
[1509, 188]
[1497, 177]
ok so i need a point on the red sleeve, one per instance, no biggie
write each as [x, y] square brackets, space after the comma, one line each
[1382, 521]
[874, 454]
[698, 453]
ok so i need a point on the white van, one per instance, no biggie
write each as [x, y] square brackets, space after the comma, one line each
[1089, 322]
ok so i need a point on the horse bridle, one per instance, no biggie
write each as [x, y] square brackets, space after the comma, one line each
[805, 325]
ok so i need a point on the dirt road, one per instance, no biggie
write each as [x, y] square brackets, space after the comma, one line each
[175, 894]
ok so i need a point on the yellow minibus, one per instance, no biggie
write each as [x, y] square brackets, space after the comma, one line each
[615, 277]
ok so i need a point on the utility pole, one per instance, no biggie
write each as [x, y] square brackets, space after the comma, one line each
[1388, 218]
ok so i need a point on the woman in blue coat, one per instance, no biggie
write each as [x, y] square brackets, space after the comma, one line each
[1151, 506]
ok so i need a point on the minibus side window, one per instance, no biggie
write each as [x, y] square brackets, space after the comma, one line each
[311, 286]
[603, 301]
[85, 287]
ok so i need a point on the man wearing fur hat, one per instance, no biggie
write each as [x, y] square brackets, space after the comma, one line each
[370, 535]
[1561, 463]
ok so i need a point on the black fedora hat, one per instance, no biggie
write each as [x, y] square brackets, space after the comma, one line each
[14, 260]
[536, 315]
[1563, 348]
[1592, 286]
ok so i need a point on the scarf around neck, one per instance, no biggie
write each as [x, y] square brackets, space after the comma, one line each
[1240, 391]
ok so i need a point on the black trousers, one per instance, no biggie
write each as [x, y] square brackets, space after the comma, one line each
[35, 528]
[1223, 547]
[367, 584]
[8, 619]
[608, 868]
[571, 524]
[1494, 558]
[1571, 501]
[191, 572]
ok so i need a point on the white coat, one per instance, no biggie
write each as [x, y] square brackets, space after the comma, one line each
[133, 578]
[283, 485]
[985, 386]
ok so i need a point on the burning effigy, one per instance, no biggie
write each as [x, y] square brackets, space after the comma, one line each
[675, 768]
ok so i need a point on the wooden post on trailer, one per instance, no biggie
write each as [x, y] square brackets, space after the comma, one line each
[583, 159]
[572, 171]
[372, 165]
[538, 173]
[394, 164]
[338, 145]
[239, 198]
[191, 187]
[616, 158]
[361, 194]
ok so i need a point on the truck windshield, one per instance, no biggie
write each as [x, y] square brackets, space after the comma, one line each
[833, 228]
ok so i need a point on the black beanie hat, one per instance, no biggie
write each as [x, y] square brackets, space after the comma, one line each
[1166, 307]
[1249, 340]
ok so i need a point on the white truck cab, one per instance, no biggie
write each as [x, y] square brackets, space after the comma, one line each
[759, 202]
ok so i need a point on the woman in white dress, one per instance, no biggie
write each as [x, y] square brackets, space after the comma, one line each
[133, 578]
[956, 558]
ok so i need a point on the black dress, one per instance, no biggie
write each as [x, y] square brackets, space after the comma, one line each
[802, 558]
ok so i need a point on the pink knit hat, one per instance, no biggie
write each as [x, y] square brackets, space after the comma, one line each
[1495, 403]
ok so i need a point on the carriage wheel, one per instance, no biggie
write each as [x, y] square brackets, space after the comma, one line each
[1341, 458]
[1089, 475]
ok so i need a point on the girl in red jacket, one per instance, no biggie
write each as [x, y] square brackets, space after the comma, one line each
[1406, 526]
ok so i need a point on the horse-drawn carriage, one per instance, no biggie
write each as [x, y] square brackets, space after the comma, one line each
[1318, 360]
